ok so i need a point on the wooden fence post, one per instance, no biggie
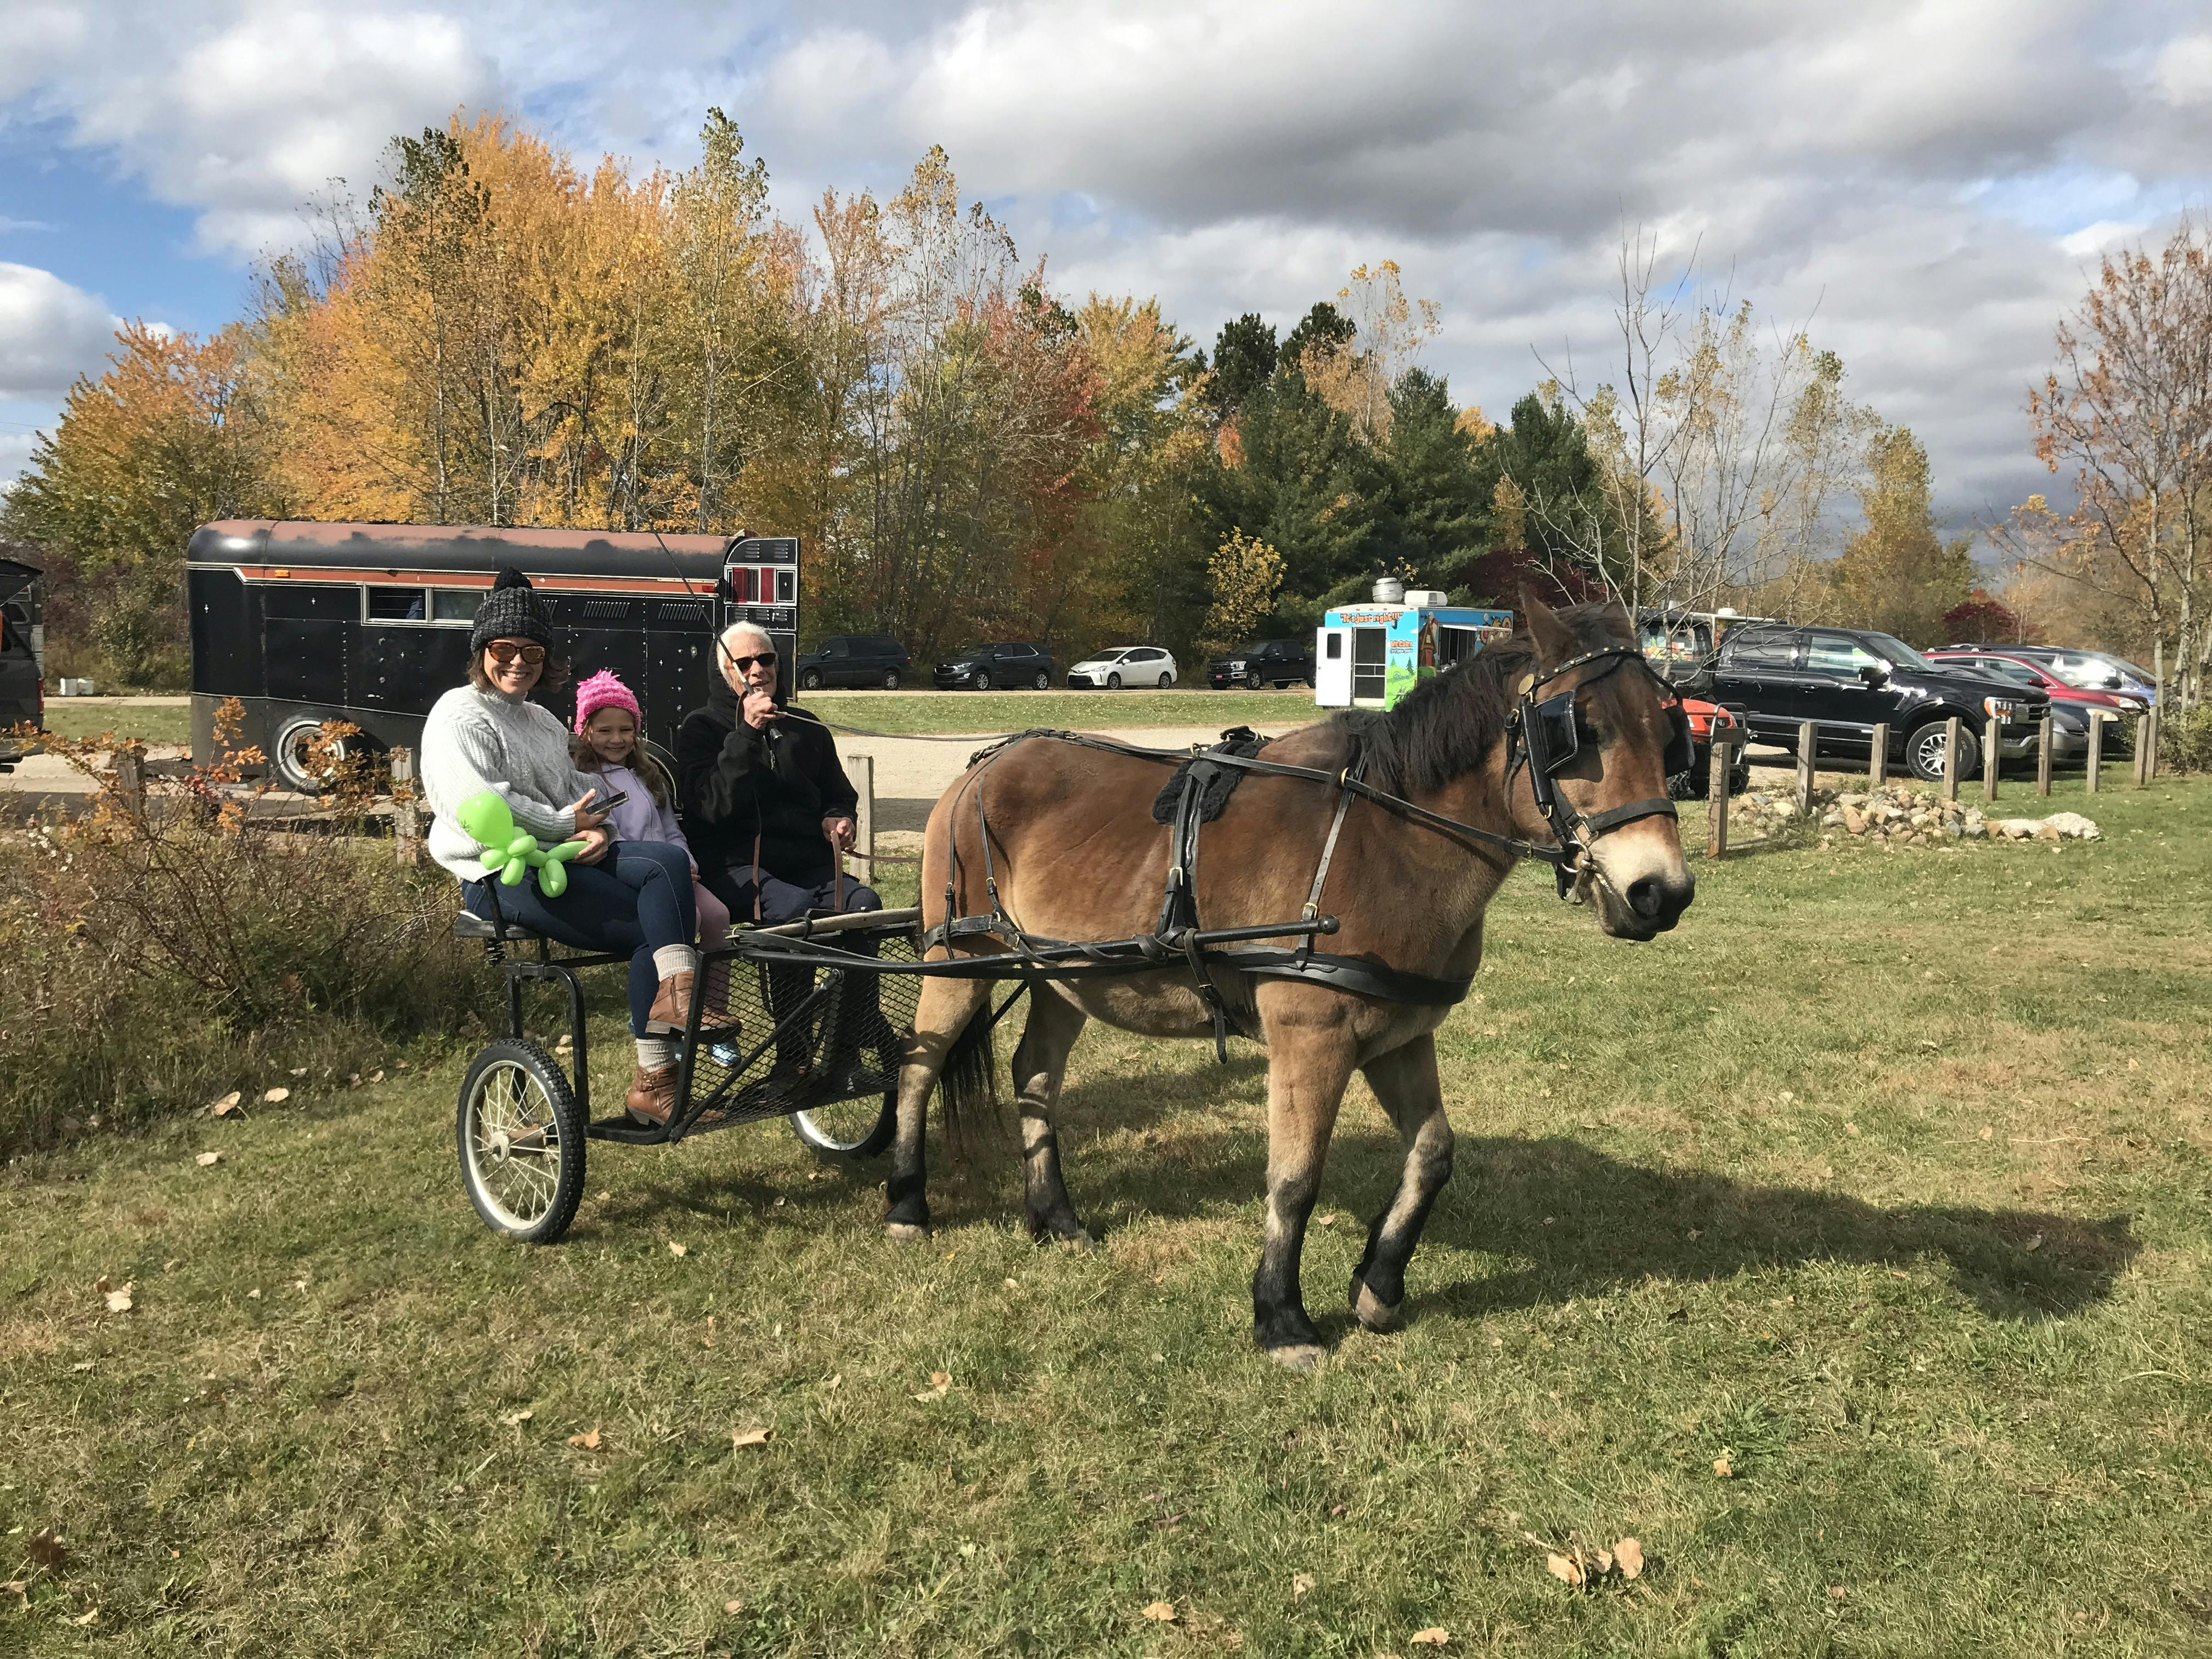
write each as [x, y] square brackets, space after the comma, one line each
[130, 777]
[1951, 758]
[1806, 744]
[861, 770]
[406, 812]
[2150, 749]
[2144, 738]
[2095, 762]
[1993, 735]
[2043, 756]
[1878, 761]
[1716, 791]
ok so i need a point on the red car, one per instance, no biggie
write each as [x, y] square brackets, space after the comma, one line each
[1696, 783]
[2028, 671]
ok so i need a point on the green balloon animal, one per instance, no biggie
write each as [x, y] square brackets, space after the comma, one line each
[513, 852]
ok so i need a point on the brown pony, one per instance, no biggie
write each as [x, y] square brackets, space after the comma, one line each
[1077, 855]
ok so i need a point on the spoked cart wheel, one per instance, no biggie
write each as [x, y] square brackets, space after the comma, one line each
[520, 1135]
[851, 1129]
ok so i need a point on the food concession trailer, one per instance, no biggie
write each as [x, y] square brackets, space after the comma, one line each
[369, 623]
[1369, 656]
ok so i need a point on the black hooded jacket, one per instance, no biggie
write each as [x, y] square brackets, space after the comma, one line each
[779, 784]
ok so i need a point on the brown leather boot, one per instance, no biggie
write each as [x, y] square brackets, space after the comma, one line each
[652, 1096]
[672, 1004]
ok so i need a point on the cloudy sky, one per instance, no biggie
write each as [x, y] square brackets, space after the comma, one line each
[1931, 185]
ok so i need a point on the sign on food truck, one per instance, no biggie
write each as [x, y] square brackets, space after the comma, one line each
[1370, 655]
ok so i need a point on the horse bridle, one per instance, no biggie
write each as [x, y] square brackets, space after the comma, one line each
[1546, 736]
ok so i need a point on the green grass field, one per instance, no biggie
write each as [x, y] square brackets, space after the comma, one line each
[1082, 711]
[148, 723]
[1884, 1184]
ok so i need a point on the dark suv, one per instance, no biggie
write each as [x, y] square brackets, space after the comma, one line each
[1263, 662]
[1848, 680]
[853, 660]
[980, 667]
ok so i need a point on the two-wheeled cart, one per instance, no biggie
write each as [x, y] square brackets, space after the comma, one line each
[818, 1046]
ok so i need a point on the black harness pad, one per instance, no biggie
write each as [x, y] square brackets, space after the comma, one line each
[1214, 783]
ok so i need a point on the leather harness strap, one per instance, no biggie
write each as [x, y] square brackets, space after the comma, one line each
[1177, 932]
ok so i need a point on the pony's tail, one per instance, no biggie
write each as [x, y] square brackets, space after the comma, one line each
[968, 1084]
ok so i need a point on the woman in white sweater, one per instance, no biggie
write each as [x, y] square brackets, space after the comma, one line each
[633, 896]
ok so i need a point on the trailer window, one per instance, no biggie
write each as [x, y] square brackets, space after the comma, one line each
[1335, 647]
[395, 604]
[455, 605]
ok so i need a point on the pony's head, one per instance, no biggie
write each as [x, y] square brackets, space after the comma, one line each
[1606, 733]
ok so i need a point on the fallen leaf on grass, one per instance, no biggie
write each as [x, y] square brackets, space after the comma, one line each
[46, 1548]
[15, 1587]
[733, 1606]
[277, 1096]
[81, 1365]
[513, 1418]
[674, 1248]
[91, 1618]
[835, 1381]
[1300, 1584]
[1329, 1220]
[254, 1295]
[749, 1438]
[207, 1159]
[938, 1383]
[1724, 1468]
[299, 1071]
[1564, 1568]
[1434, 1637]
[1161, 1613]
[1837, 1591]
[224, 1107]
[376, 1076]
[589, 1440]
[1630, 1555]
[2035, 1243]
[118, 1300]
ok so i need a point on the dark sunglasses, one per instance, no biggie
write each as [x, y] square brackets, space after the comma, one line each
[503, 653]
[766, 660]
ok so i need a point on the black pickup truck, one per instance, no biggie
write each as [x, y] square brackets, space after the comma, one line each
[1848, 680]
[22, 699]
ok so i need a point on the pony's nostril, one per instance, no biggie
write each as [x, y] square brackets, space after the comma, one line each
[1645, 897]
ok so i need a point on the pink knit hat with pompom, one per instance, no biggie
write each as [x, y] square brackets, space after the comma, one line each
[604, 690]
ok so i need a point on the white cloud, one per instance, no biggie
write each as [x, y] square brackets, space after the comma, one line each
[1922, 178]
[50, 332]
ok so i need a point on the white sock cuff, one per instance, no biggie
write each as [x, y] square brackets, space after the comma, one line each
[653, 1053]
[675, 959]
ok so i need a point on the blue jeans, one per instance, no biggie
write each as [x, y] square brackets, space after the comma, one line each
[637, 898]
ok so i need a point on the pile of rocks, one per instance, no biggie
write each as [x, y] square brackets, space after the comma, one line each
[1901, 815]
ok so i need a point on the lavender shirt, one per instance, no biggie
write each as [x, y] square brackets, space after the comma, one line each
[640, 818]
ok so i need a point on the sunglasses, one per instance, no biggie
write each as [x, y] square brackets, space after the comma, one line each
[766, 660]
[503, 653]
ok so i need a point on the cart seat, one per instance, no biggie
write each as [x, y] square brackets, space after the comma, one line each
[470, 926]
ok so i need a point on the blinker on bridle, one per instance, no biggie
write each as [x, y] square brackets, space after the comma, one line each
[1547, 736]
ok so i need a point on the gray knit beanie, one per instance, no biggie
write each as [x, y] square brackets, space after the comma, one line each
[511, 610]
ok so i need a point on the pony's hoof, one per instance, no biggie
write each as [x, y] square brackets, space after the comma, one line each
[1300, 1357]
[1371, 1310]
[1080, 1239]
[905, 1232]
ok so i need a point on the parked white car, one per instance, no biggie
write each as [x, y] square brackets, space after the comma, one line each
[1124, 665]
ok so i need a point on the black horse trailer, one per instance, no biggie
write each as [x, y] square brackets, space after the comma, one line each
[22, 654]
[369, 623]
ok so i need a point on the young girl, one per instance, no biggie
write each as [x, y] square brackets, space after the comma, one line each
[605, 745]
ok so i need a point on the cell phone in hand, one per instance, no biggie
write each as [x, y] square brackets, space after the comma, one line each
[602, 804]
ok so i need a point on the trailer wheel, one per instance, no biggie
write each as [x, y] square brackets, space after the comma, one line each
[288, 752]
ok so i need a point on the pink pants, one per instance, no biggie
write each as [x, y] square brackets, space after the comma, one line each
[714, 916]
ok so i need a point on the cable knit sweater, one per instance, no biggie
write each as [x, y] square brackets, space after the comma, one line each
[477, 740]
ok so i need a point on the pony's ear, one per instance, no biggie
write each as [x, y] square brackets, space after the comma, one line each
[1553, 642]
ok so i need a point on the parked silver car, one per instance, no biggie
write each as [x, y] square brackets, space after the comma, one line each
[1124, 664]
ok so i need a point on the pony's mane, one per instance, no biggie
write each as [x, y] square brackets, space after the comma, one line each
[1446, 726]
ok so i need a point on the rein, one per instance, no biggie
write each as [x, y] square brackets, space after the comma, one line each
[1178, 934]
